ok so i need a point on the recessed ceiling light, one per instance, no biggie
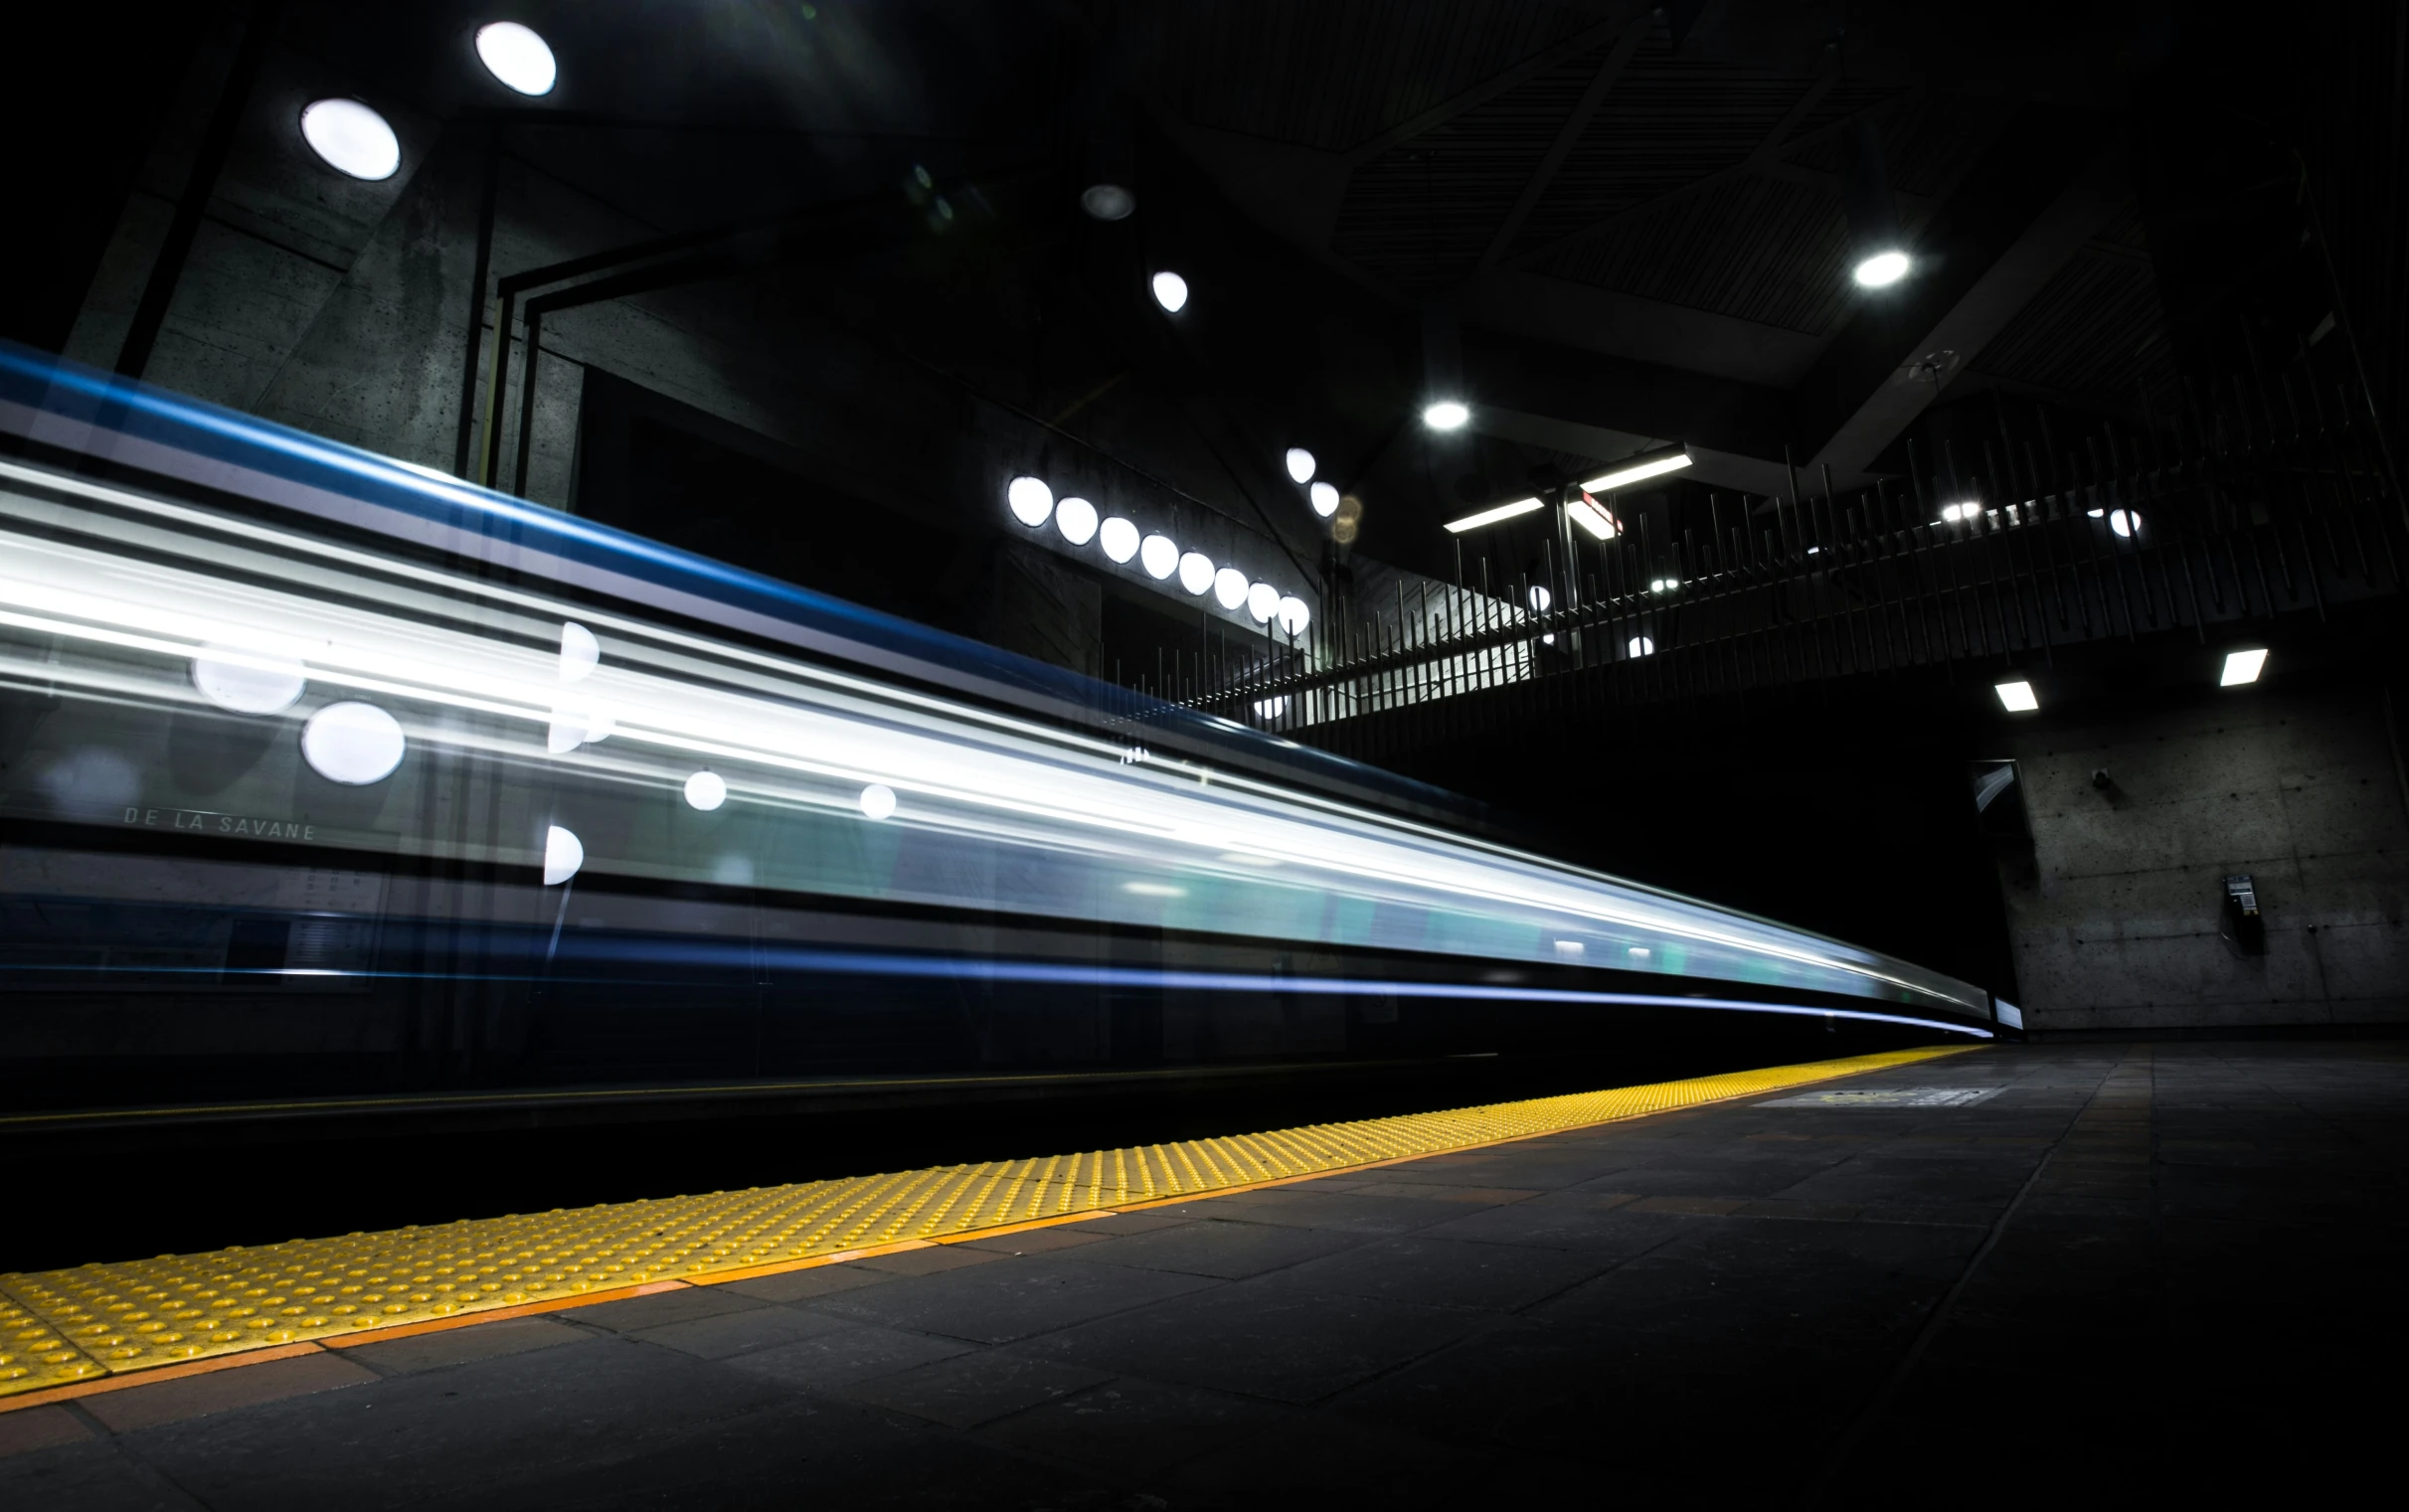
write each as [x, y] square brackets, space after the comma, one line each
[1230, 588]
[1491, 516]
[1118, 538]
[1108, 202]
[1171, 292]
[352, 138]
[1076, 519]
[1159, 556]
[1882, 269]
[1301, 464]
[2017, 696]
[353, 744]
[564, 852]
[517, 56]
[1197, 572]
[1325, 499]
[1031, 500]
[1447, 414]
[247, 682]
[2243, 667]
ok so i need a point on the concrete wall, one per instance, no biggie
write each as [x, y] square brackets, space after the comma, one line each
[2116, 923]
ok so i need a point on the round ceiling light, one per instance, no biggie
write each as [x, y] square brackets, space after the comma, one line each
[352, 138]
[2124, 522]
[1262, 602]
[1230, 588]
[1118, 538]
[1325, 499]
[1882, 269]
[564, 852]
[353, 744]
[1301, 464]
[581, 653]
[1076, 519]
[1541, 599]
[1447, 414]
[247, 682]
[1108, 202]
[706, 790]
[1159, 556]
[878, 802]
[1171, 292]
[1031, 500]
[1294, 616]
[1197, 572]
[1642, 645]
[517, 56]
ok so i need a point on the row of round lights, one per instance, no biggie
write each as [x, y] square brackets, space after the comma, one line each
[353, 138]
[1158, 556]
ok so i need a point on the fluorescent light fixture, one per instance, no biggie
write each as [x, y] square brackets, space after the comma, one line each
[1882, 269]
[1446, 414]
[581, 653]
[1663, 585]
[351, 139]
[1271, 708]
[564, 852]
[1294, 614]
[1159, 556]
[1230, 588]
[1076, 519]
[1301, 464]
[1571, 947]
[353, 744]
[1541, 599]
[1170, 292]
[1641, 952]
[2124, 522]
[247, 682]
[2243, 667]
[1325, 499]
[1638, 471]
[1031, 500]
[2016, 697]
[1262, 602]
[1108, 202]
[1493, 516]
[1591, 518]
[706, 790]
[1642, 645]
[1118, 538]
[878, 802]
[1956, 512]
[517, 56]
[1153, 890]
[1195, 571]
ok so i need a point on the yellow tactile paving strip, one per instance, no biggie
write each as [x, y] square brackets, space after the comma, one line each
[61, 1327]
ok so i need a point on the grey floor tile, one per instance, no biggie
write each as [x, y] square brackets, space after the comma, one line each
[1220, 1247]
[1010, 1300]
[1130, 1430]
[819, 1281]
[738, 1333]
[410, 1439]
[976, 1387]
[831, 1361]
[1262, 1340]
[663, 1307]
[88, 1477]
[1444, 1273]
[1544, 1224]
[457, 1346]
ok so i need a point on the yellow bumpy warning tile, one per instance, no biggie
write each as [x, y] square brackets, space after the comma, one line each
[61, 1326]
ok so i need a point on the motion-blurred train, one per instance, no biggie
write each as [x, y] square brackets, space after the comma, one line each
[321, 773]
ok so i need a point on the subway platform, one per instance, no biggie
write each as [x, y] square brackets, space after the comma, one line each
[2082, 1274]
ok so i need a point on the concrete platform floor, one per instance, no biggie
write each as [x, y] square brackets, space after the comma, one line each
[2131, 1274]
